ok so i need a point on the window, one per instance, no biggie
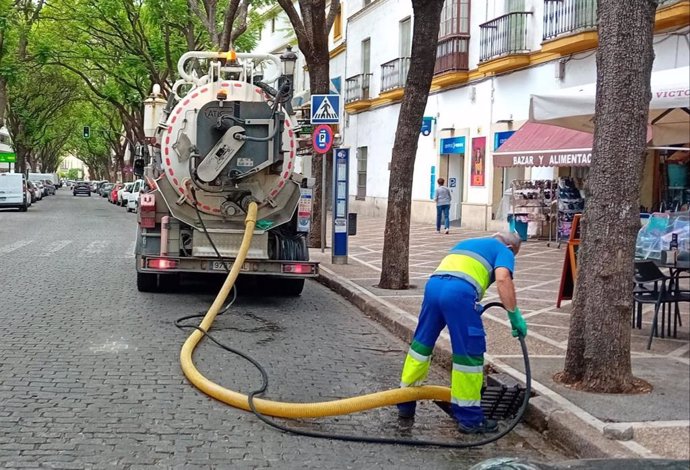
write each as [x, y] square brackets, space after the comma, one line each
[338, 24]
[406, 37]
[366, 56]
[455, 18]
[273, 25]
[361, 173]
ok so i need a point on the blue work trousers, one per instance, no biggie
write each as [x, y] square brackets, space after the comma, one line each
[451, 301]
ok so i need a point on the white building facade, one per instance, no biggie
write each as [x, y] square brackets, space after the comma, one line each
[492, 55]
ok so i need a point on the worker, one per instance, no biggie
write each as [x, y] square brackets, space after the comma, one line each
[451, 298]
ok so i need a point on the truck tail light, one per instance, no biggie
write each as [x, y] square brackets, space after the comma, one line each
[162, 263]
[298, 268]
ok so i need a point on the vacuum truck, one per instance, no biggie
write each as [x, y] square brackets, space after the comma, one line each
[224, 137]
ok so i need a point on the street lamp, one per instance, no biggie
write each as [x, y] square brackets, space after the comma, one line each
[288, 58]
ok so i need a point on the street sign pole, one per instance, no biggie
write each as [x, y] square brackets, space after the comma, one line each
[323, 202]
[322, 140]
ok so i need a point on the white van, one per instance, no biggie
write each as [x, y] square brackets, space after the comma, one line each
[13, 191]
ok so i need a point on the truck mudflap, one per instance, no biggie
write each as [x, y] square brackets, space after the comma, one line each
[281, 268]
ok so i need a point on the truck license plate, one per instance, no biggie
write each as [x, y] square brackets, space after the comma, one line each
[219, 265]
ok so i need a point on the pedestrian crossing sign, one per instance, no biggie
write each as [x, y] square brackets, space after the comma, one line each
[325, 109]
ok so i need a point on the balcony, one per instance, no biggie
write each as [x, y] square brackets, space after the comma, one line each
[672, 14]
[357, 91]
[569, 16]
[569, 26]
[451, 55]
[393, 76]
[504, 43]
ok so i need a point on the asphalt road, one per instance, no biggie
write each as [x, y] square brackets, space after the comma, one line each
[89, 372]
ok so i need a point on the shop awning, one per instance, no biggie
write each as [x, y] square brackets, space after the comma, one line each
[544, 145]
[669, 109]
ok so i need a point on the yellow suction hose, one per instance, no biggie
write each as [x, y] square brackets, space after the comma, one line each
[283, 409]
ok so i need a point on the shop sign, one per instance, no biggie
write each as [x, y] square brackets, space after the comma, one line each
[501, 137]
[8, 157]
[550, 159]
[477, 169]
[426, 125]
[453, 145]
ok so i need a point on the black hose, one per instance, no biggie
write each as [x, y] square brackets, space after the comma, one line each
[367, 439]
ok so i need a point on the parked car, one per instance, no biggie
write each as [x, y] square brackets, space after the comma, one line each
[50, 187]
[99, 187]
[41, 187]
[34, 190]
[81, 187]
[112, 197]
[133, 196]
[106, 189]
[14, 192]
[123, 194]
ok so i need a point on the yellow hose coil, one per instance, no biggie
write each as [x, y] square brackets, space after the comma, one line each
[283, 409]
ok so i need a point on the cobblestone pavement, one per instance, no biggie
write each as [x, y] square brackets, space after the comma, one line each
[89, 376]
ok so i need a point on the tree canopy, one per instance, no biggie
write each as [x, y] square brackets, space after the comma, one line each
[67, 64]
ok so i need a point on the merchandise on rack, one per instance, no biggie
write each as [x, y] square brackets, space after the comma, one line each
[532, 201]
[570, 202]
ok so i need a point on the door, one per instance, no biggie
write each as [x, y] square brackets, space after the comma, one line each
[455, 184]
[405, 49]
[366, 67]
[451, 169]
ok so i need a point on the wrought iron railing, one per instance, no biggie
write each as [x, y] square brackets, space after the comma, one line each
[504, 35]
[452, 54]
[394, 73]
[357, 87]
[568, 16]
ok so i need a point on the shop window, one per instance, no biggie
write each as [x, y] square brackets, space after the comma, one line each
[361, 173]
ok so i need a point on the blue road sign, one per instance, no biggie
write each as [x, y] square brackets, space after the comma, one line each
[322, 139]
[325, 109]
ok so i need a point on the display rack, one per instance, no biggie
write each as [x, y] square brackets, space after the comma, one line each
[570, 203]
[533, 201]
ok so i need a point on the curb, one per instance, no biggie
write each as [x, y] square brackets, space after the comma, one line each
[561, 427]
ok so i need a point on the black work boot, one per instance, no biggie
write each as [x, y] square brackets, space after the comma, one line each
[406, 410]
[485, 427]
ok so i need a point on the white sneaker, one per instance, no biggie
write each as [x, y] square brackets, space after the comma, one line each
[446, 232]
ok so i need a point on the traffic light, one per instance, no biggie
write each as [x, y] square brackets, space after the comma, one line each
[87, 132]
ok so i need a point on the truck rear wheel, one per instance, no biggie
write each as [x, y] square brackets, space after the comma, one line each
[147, 282]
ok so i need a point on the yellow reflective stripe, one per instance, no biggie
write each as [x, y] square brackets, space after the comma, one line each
[468, 265]
[466, 385]
[470, 369]
[414, 371]
[473, 255]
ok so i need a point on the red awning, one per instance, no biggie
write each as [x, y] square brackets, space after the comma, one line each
[544, 145]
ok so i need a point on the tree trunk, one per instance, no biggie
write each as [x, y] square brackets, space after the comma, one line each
[318, 85]
[598, 355]
[395, 264]
[3, 100]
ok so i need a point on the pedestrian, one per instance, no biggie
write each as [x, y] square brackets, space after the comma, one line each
[442, 199]
[451, 298]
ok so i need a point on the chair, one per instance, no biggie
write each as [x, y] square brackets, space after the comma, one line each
[646, 273]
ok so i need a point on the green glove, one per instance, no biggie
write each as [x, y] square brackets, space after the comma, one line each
[518, 323]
